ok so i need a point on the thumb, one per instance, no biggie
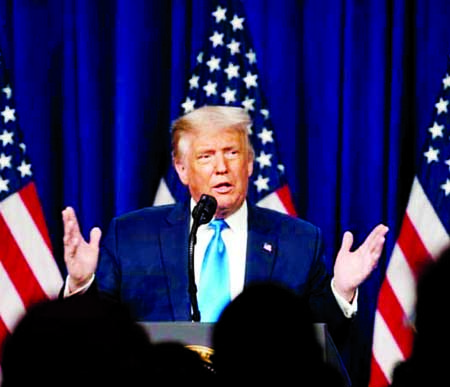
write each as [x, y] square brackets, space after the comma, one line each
[95, 236]
[347, 241]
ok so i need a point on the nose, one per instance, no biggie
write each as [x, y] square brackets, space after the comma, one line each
[221, 163]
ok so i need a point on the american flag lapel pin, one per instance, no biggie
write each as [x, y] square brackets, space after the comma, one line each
[267, 247]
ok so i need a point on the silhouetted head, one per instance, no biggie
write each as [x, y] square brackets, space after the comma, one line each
[78, 341]
[266, 333]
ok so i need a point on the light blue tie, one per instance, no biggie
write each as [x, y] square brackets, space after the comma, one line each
[214, 289]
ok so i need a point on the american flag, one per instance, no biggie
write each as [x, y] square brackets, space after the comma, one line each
[423, 234]
[226, 73]
[28, 271]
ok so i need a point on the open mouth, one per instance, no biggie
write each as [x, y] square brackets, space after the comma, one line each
[223, 188]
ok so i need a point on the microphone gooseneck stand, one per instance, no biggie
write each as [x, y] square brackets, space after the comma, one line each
[202, 213]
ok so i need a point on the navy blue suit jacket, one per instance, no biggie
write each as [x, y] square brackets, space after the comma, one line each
[144, 260]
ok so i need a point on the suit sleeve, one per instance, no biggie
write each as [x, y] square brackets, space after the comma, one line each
[321, 299]
[108, 275]
[300, 263]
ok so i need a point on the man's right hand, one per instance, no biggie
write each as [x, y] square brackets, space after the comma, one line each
[81, 257]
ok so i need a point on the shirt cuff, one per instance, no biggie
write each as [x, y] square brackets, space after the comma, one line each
[349, 309]
[81, 290]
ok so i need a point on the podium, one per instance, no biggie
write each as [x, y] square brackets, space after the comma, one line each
[198, 335]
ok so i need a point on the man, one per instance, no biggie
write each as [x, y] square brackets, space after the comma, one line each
[143, 260]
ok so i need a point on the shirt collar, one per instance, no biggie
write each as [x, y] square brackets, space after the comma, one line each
[237, 221]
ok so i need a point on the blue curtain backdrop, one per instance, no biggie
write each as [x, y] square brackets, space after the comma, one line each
[350, 85]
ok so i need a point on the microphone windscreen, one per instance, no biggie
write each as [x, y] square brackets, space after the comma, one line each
[205, 209]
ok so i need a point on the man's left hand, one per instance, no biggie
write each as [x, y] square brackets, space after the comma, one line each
[352, 268]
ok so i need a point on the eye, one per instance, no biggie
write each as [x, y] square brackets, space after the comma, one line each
[204, 157]
[232, 153]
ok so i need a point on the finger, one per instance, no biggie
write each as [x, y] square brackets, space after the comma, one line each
[379, 238]
[380, 231]
[377, 245]
[69, 239]
[70, 221]
[95, 236]
[67, 217]
[70, 248]
[68, 213]
[347, 241]
[375, 240]
[69, 233]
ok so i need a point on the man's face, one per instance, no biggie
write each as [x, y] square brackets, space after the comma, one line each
[218, 163]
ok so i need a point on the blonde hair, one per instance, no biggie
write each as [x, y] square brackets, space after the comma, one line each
[216, 117]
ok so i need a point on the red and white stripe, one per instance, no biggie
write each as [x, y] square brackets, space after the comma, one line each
[28, 271]
[422, 238]
[280, 200]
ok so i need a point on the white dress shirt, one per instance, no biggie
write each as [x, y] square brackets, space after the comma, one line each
[235, 240]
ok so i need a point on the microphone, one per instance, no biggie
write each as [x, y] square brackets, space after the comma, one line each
[205, 209]
[202, 213]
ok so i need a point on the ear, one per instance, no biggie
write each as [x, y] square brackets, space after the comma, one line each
[250, 165]
[181, 171]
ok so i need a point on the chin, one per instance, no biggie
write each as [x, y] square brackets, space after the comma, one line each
[226, 208]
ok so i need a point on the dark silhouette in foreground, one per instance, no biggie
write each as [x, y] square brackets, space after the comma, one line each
[265, 335]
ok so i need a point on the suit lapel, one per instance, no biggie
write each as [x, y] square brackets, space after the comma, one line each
[174, 246]
[261, 246]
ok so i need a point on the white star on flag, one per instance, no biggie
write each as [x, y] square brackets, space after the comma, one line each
[262, 183]
[251, 56]
[265, 113]
[8, 92]
[446, 81]
[24, 169]
[5, 161]
[432, 154]
[210, 88]
[441, 106]
[213, 64]
[229, 95]
[232, 71]
[436, 130]
[8, 114]
[247, 103]
[219, 14]
[237, 23]
[193, 82]
[265, 136]
[446, 187]
[234, 47]
[6, 137]
[217, 39]
[4, 185]
[188, 105]
[250, 80]
[264, 160]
